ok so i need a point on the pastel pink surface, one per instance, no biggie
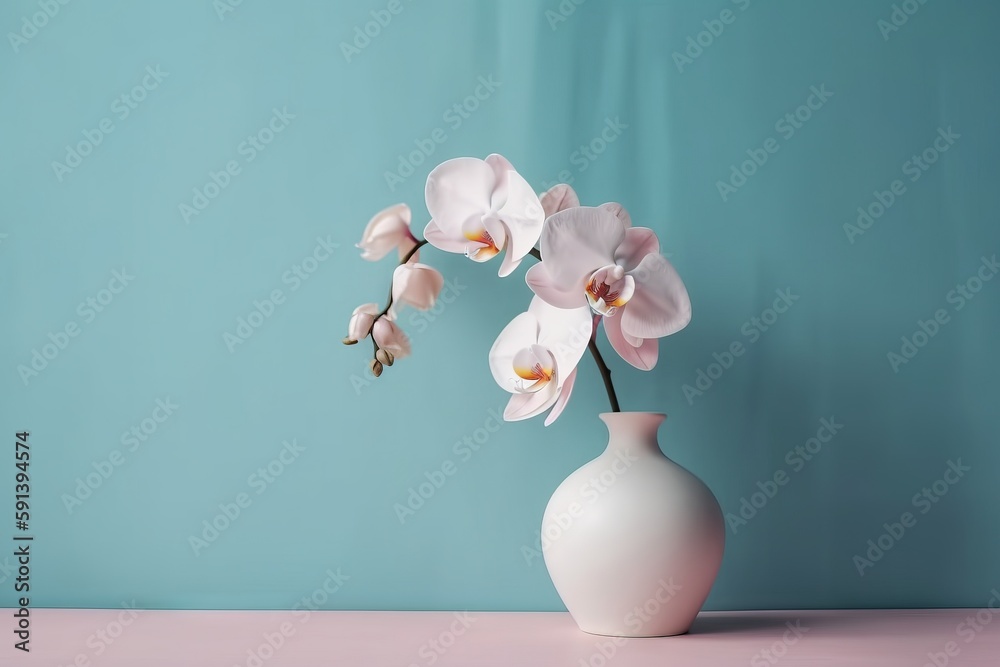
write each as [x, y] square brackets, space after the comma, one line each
[401, 639]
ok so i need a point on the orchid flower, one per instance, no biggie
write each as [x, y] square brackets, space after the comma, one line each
[481, 207]
[535, 358]
[388, 230]
[594, 257]
[416, 285]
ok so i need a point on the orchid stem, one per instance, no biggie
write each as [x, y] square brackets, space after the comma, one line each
[605, 374]
[596, 353]
[404, 260]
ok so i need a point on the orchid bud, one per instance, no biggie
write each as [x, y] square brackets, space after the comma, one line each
[389, 230]
[385, 356]
[391, 338]
[416, 285]
[361, 322]
[376, 367]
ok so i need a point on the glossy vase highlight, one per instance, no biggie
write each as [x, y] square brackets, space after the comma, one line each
[632, 540]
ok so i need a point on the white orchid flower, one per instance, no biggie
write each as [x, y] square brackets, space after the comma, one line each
[594, 257]
[535, 358]
[481, 207]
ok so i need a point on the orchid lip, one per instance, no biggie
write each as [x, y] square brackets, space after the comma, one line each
[481, 253]
[483, 246]
[534, 367]
[537, 376]
[604, 297]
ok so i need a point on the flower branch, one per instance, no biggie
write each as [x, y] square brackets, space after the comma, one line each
[594, 267]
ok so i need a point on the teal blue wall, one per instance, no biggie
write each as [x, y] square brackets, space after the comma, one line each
[362, 444]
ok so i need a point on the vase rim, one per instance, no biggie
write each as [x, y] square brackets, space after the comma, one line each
[632, 412]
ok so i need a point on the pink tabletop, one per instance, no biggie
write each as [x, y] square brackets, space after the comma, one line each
[112, 638]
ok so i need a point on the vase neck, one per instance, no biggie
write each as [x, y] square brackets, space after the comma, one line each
[633, 429]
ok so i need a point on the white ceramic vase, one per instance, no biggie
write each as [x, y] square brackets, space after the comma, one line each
[632, 540]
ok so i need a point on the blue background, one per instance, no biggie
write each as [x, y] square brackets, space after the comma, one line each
[367, 443]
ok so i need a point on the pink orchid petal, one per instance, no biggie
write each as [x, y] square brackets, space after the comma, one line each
[542, 284]
[525, 406]
[564, 332]
[641, 356]
[361, 321]
[519, 333]
[619, 212]
[660, 305]
[632, 340]
[390, 337]
[578, 241]
[564, 393]
[501, 166]
[457, 190]
[508, 265]
[559, 198]
[437, 238]
[522, 214]
[639, 242]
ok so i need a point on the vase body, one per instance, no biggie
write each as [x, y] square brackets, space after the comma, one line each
[632, 540]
